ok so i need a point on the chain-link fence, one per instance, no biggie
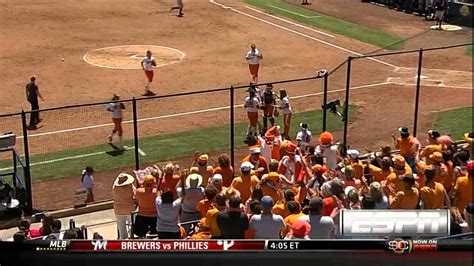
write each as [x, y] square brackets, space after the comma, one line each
[159, 129]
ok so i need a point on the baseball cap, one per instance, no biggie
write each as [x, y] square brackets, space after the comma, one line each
[246, 166]
[304, 125]
[353, 153]
[254, 150]
[325, 138]
[398, 159]
[266, 202]
[217, 178]
[300, 228]
[203, 158]
[291, 148]
[437, 156]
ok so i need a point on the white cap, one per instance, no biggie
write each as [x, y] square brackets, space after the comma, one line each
[246, 166]
[353, 153]
[217, 178]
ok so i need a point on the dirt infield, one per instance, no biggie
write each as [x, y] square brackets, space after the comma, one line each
[215, 47]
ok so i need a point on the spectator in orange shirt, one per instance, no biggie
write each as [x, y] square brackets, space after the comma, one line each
[394, 182]
[206, 204]
[349, 180]
[381, 174]
[170, 179]
[441, 170]
[355, 163]
[204, 168]
[433, 146]
[433, 195]
[408, 198]
[224, 169]
[295, 213]
[463, 188]
[246, 182]
[260, 164]
[211, 216]
[145, 220]
[281, 208]
[408, 146]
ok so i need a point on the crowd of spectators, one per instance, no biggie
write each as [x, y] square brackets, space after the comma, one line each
[295, 190]
[295, 193]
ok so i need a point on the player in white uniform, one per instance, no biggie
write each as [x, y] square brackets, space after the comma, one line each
[251, 104]
[179, 5]
[147, 64]
[253, 59]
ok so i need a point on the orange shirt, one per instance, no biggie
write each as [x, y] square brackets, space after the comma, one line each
[211, 222]
[442, 176]
[268, 191]
[262, 162]
[379, 174]
[433, 196]
[170, 182]
[407, 146]
[464, 187]
[146, 201]
[405, 199]
[281, 209]
[421, 167]
[395, 183]
[290, 220]
[428, 150]
[227, 175]
[245, 185]
[358, 170]
[203, 206]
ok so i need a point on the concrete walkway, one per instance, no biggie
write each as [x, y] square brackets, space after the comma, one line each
[102, 222]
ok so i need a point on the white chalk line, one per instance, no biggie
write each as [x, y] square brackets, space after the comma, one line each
[75, 157]
[188, 113]
[294, 13]
[291, 22]
[166, 116]
[299, 33]
[135, 45]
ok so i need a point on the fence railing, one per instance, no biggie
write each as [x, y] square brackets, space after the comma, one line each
[167, 127]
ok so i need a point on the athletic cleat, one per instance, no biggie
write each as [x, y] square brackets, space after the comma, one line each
[149, 93]
[109, 139]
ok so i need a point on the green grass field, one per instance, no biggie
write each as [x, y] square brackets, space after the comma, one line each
[331, 24]
[455, 122]
[469, 51]
[159, 148]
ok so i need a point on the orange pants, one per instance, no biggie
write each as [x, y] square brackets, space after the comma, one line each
[118, 126]
[253, 118]
[254, 70]
[268, 111]
[286, 124]
[149, 75]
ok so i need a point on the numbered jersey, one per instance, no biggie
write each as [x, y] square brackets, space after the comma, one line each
[251, 104]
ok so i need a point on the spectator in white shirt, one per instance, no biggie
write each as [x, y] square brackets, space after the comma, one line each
[303, 137]
[322, 227]
[327, 150]
[168, 215]
[267, 225]
[87, 181]
[192, 194]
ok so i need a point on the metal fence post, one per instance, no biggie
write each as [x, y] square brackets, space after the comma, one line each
[325, 100]
[135, 134]
[417, 97]
[232, 133]
[27, 173]
[346, 105]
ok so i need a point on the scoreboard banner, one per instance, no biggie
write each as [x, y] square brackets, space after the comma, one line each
[381, 245]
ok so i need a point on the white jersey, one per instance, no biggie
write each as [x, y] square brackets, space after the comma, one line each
[115, 109]
[253, 57]
[251, 105]
[304, 138]
[285, 106]
[147, 63]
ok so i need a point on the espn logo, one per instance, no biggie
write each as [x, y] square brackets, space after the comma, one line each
[394, 222]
